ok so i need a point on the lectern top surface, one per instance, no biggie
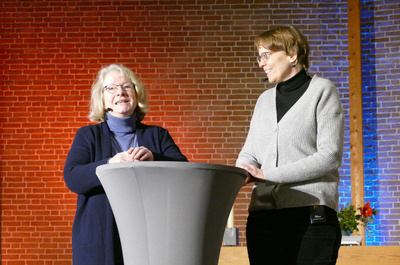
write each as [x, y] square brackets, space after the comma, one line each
[173, 164]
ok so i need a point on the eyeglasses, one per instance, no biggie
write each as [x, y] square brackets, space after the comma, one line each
[112, 88]
[264, 56]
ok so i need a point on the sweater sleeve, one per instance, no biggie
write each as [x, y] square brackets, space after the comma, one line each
[261, 131]
[248, 154]
[80, 166]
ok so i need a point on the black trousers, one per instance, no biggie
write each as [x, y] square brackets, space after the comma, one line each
[287, 237]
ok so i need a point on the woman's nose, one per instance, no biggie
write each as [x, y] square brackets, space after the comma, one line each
[120, 90]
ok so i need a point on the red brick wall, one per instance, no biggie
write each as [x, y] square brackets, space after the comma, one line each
[196, 60]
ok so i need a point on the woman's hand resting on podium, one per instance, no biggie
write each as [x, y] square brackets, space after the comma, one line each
[133, 154]
[254, 174]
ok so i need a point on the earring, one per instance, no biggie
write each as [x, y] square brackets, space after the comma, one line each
[293, 66]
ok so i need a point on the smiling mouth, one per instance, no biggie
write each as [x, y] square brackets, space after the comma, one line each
[121, 101]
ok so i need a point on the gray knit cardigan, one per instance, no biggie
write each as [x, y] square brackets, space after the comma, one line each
[300, 156]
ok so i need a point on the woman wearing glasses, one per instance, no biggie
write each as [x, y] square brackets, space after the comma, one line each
[292, 154]
[118, 104]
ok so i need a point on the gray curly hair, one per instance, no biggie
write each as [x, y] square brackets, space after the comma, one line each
[97, 111]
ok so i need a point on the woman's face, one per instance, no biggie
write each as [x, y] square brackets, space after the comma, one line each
[123, 101]
[277, 65]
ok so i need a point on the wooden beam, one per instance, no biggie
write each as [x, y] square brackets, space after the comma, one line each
[355, 112]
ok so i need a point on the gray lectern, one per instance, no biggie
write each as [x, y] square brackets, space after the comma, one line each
[171, 213]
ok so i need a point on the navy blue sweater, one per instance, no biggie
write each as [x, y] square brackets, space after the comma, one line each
[95, 239]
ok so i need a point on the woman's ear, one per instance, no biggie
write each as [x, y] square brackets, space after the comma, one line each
[293, 58]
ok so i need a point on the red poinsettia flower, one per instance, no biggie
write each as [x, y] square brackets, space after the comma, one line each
[367, 210]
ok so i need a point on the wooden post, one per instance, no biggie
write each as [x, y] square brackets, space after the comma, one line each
[355, 94]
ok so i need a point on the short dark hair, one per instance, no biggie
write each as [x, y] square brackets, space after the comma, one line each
[285, 38]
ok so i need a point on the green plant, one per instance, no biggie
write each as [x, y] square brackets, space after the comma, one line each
[349, 217]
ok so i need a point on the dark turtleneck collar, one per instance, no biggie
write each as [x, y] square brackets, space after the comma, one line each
[294, 82]
[121, 125]
[289, 91]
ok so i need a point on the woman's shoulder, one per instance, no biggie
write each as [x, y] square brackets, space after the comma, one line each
[325, 92]
[266, 99]
[268, 93]
[317, 80]
[90, 129]
[149, 128]
[322, 86]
